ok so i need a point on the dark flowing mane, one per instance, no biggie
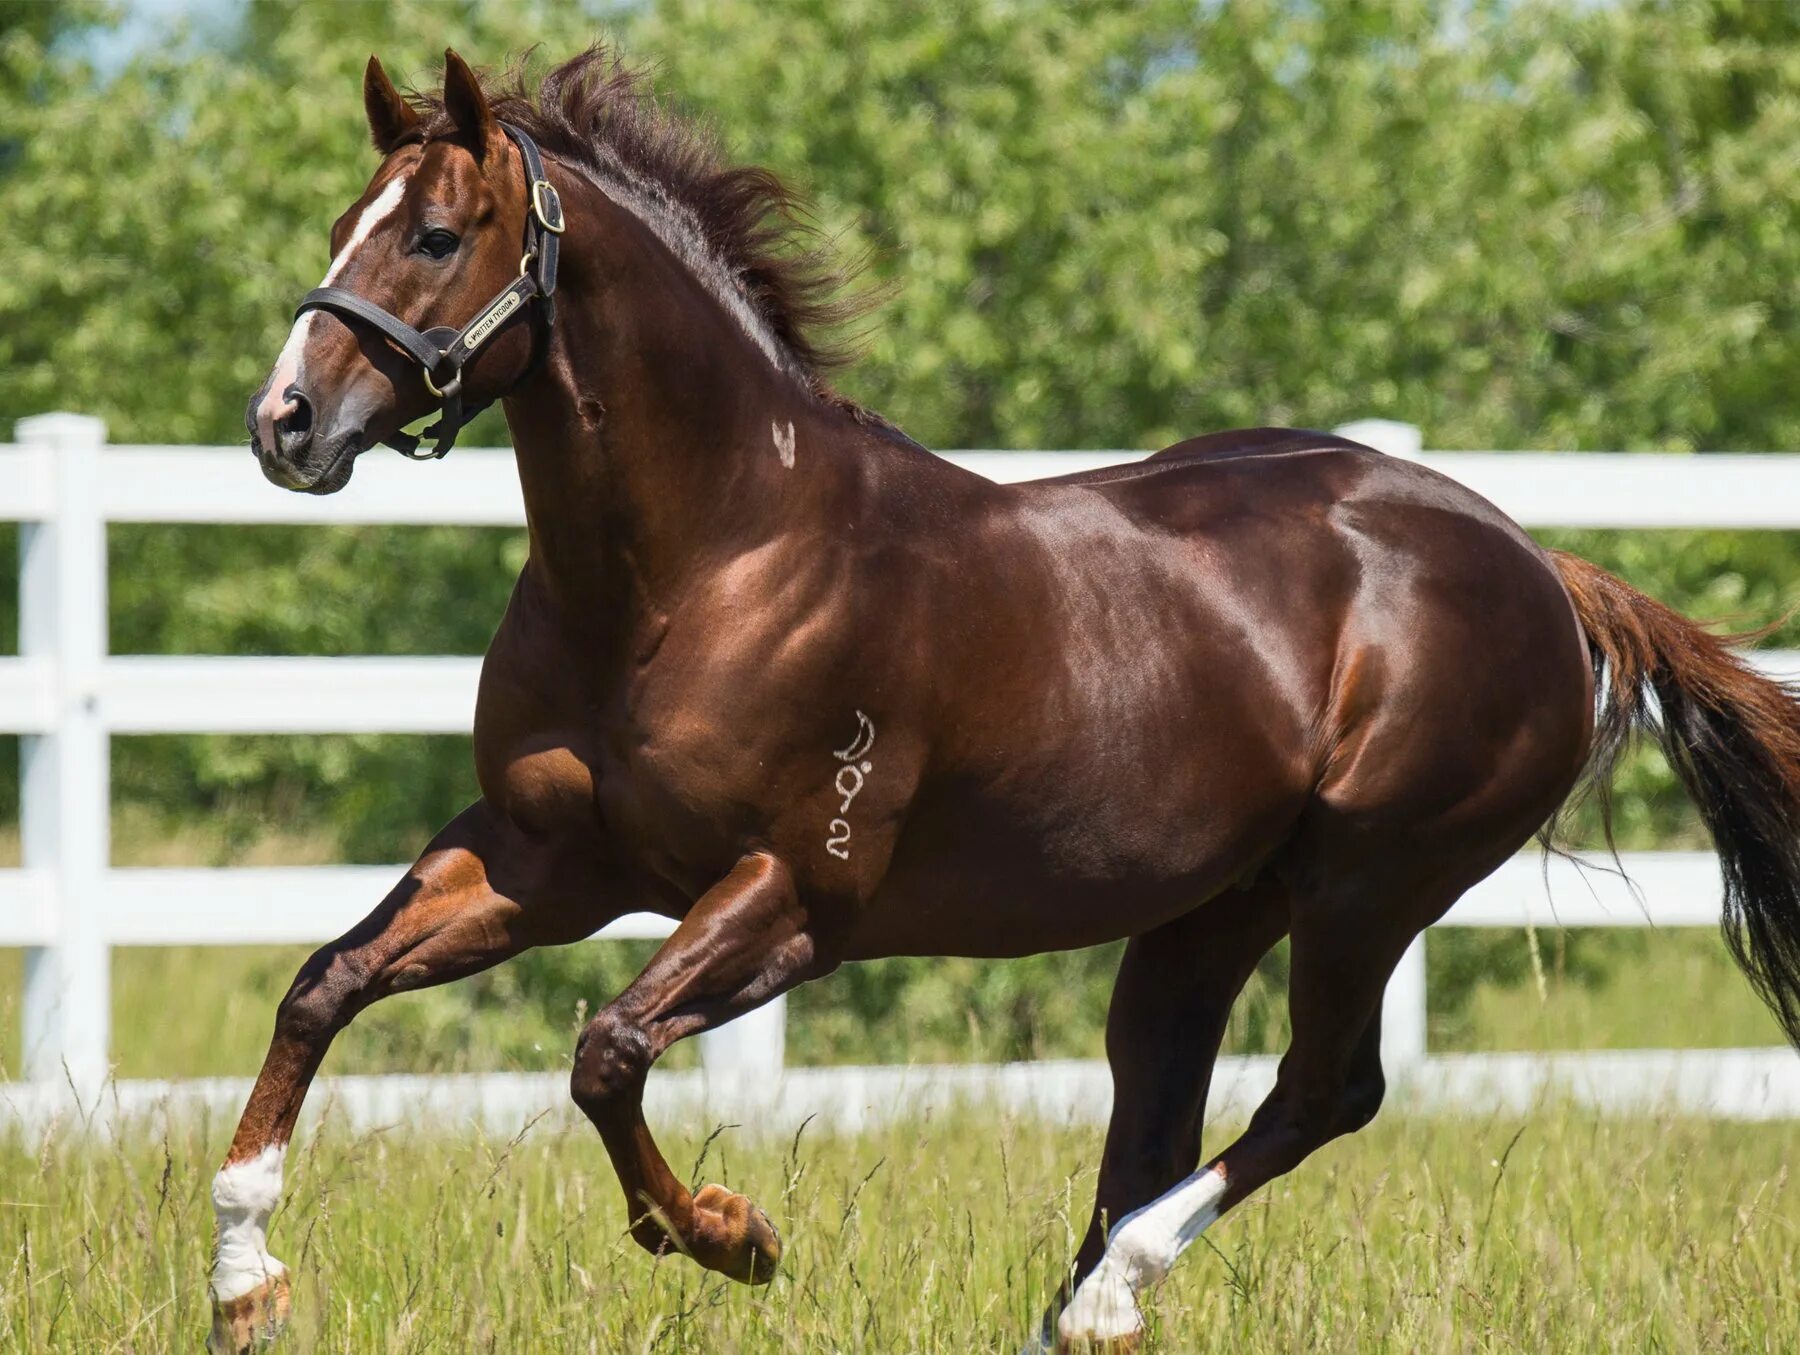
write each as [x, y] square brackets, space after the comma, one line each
[600, 114]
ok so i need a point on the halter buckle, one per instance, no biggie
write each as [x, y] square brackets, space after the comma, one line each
[546, 205]
[449, 390]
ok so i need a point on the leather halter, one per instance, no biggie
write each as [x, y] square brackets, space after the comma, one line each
[443, 352]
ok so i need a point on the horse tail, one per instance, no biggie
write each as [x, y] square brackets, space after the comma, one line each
[1731, 734]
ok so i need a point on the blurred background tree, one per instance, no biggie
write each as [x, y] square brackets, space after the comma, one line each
[1107, 224]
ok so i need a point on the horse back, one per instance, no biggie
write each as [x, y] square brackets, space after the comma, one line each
[1231, 445]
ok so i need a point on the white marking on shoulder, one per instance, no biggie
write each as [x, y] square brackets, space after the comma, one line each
[244, 1195]
[784, 443]
[287, 365]
[1140, 1252]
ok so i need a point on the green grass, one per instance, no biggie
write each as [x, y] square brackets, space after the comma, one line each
[1553, 1232]
[1558, 1231]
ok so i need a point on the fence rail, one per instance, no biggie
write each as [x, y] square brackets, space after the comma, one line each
[66, 696]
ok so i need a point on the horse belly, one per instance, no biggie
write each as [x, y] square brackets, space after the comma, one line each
[979, 877]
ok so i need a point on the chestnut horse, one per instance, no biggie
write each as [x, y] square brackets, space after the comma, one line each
[776, 672]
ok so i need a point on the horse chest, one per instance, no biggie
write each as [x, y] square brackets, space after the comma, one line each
[671, 816]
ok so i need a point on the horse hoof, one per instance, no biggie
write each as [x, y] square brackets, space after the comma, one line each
[1103, 1319]
[1047, 1341]
[250, 1321]
[1129, 1344]
[734, 1237]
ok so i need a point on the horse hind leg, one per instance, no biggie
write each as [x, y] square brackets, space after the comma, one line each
[1329, 1083]
[1440, 770]
[1170, 1005]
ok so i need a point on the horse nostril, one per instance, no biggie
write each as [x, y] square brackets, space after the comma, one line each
[293, 430]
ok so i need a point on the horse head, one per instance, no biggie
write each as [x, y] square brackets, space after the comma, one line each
[398, 326]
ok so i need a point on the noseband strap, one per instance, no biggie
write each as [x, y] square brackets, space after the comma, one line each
[443, 352]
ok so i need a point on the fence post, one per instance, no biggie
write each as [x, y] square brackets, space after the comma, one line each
[746, 1056]
[64, 795]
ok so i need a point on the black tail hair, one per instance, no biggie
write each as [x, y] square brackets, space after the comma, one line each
[1732, 735]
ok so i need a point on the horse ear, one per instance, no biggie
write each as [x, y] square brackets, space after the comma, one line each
[467, 104]
[391, 118]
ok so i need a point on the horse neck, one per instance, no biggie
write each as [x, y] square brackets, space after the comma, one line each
[657, 440]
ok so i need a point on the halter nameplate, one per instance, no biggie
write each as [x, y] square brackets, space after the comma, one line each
[477, 332]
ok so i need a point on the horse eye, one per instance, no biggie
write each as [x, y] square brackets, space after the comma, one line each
[437, 243]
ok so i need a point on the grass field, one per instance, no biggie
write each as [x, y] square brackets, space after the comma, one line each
[1557, 1232]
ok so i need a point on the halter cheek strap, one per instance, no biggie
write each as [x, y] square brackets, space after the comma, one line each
[443, 352]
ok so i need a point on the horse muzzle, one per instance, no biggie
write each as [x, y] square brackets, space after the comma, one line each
[292, 448]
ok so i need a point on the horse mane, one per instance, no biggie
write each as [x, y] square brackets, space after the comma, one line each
[740, 226]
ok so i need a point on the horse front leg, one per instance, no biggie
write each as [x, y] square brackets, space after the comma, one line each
[746, 941]
[479, 894]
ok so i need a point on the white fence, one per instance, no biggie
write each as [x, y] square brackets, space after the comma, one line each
[68, 906]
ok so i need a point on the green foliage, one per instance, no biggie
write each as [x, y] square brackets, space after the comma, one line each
[1107, 224]
[308, 591]
[1515, 225]
[1111, 224]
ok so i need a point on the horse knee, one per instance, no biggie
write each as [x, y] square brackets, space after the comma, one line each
[611, 1058]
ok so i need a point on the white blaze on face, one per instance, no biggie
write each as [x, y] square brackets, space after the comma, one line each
[244, 1195]
[784, 442]
[1141, 1250]
[287, 366]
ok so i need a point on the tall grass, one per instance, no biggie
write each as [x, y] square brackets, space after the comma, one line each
[1557, 1231]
